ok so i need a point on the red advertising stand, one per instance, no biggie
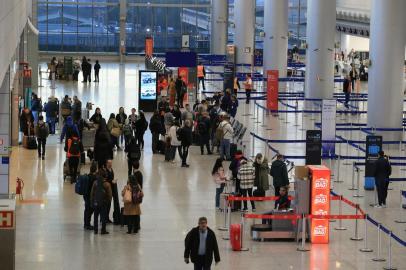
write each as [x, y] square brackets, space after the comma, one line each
[149, 46]
[272, 77]
[320, 203]
[184, 73]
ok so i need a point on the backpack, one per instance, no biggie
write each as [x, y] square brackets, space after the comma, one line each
[219, 133]
[82, 185]
[74, 148]
[127, 131]
[137, 194]
[99, 197]
[202, 127]
[42, 131]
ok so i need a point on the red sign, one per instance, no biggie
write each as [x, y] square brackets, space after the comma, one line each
[320, 203]
[184, 73]
[149, 46]
[6, 219]
[272, 89]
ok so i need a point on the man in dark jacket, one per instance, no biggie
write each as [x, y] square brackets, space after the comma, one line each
[347, 90]
[203, 127]
[133, 151]
[156, 127]
[279, 172]
[51, 110]
[68, 129]
[180, 90]
[382, 172]
[201, 245]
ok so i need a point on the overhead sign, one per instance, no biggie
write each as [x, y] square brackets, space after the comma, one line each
[6, 219]
[272, 88]
[328, 126]
[149, 46]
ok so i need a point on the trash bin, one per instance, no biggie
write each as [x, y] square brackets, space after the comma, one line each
[7, 231]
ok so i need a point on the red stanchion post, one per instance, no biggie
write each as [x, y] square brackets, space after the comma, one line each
[356, 237]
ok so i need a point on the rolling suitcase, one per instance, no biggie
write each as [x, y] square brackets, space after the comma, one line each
[369, 183]
[235, 236]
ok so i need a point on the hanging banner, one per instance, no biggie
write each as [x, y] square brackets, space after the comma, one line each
[328, 126]
[313, 147]
[149, 46]
[272, 77]
[320, 203]
[373, 146]
[229, 68]
[258, 57]
[184, 72]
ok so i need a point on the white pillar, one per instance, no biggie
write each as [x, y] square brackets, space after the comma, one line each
[123, 31]
[276, 36]
[321, 24]
[219, 26]
[244, 19]
[387, 47]
[345, 43]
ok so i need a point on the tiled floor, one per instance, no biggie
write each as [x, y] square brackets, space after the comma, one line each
[51, 236]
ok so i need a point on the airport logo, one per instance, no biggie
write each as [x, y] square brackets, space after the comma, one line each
[320, 199]
[321, 183]
[320, 231]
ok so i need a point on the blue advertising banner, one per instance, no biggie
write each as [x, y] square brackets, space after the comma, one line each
[328, 126]
[258, 57]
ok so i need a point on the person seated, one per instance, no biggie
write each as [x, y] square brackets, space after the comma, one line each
[283, 202]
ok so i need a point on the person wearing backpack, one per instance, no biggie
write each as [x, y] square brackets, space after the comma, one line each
[203, 127]
[225, 135]
[51, 112]
[42, 133]
[88, 212]
[132, 198]
[156, 127]
[73, 149]
[133, 153]
[69, 129]
[100, 198]
[186, 141]
[174, 134]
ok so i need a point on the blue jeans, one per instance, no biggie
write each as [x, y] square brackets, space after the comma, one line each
[51, 123]
[225, 149]
[218, 192]
[35, 114]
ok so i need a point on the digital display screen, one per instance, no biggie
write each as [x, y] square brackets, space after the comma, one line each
[373, 149]
[148, 85]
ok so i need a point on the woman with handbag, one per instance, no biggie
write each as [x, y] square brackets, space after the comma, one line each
[132, 198]
[115, 131]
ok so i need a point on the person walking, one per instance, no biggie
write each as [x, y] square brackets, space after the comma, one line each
[73, 149]
[200, 246]
[203, 128]
[115, 131]
[347, 90]
[248, 88]
[51, 112]
[89, 70]
[219, 179]
[132, 119]
[66, 107]
[175, 142]
[181, 90]
[133, 153]
[225, 135]
[100, 197]
[353, 75]
[97, 68]
[261, 174]
[201, 74]
[76, 109]
[185, 134]
[156, 128]
[36, 107]
[27, 122]
[132, 196]
[69, 129]
[279, 173]
[383, 170]
[102, 144]
[233, 106]
[237, 86]
[141, 125]
[42, 133]
[246, 175]
[88, 212]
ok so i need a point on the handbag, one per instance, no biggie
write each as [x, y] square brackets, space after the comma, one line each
[127, 198]
[116, 132]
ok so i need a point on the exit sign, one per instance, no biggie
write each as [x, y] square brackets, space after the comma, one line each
[6, 219]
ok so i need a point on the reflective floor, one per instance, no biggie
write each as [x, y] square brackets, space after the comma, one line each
[50, 231]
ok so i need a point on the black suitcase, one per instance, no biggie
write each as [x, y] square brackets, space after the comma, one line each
[259, 193]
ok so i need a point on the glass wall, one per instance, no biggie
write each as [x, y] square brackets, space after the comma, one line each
[94, 25]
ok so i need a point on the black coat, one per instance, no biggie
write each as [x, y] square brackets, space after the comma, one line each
[186, 136]
[383, 170]
[155, 124]
[279, 172]
[192, 241]
[103, 149]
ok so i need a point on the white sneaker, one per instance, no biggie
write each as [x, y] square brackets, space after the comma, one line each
[384, 206]
[378, 206]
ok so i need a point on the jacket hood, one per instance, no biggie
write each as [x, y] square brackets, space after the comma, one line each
[278, 163]
[69, 121]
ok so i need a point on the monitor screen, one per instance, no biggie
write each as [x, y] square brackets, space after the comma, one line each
[148, 85]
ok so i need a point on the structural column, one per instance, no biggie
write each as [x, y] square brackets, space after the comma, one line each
[244, 35]
[4, 132]
[321, 22]
[219, 26]
[276, 36]
[387, 49]
[123, 34]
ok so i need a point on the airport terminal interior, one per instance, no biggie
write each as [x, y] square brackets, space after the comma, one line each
[310, 93]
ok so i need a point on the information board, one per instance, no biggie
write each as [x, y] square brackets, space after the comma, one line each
[148, 85]
[373, 145]
[328, 126]
[313, 147]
